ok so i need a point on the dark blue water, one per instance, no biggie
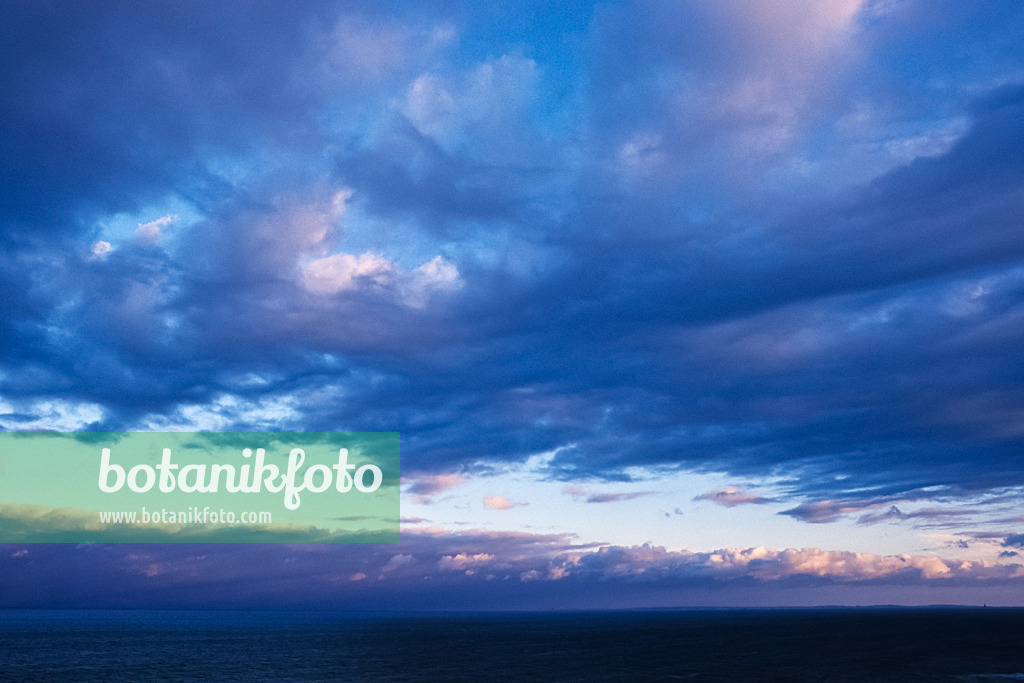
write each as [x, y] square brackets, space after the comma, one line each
[770, 645]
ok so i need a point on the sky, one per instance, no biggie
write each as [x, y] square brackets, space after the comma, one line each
[672, 303]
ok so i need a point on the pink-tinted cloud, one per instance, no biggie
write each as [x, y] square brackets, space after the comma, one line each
[731, 496]
[500, 503]
[465, 562]
[474, 569]
[649, 563]
[424, 487]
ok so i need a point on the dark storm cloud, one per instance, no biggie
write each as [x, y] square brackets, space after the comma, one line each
[106, 104]
[648, 274]
[407, 173]
[108, 108]
[841, 342]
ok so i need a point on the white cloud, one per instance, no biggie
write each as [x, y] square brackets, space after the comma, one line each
[151, 232]
[347, 272]
[397, 562]
[464, 561]
[341, 272]
[56, 415]
[223, 413]
[436, 275]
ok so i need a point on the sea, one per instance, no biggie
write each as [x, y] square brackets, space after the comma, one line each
[860, 644]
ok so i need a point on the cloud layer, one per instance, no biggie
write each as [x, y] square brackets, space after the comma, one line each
[777, 242]
[475, 569]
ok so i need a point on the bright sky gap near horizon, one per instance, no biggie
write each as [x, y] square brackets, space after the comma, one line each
[673, 303]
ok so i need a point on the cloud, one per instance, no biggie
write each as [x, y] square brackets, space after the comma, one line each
[929, 515]
[155, 75]
[497, 503]
[387, 231]
[57, 415]
[1014, 541]
[827, 511]
[464, 562]
[360, 52]
[492, 102]
[500, 503]
[412, 520]
[736, 87]
[577, 491]
[615, 497]
[489, 570]
[424, 487]
[152, 232]
[341, 272]
[731, 496]
[396, 562]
